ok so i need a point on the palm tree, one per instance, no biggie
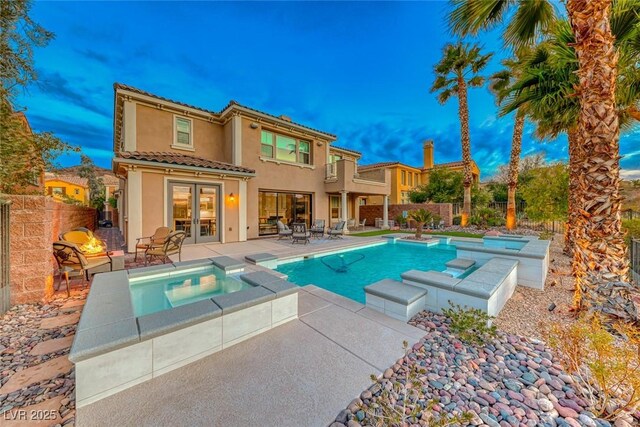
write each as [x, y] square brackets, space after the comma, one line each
[548, 87]
[501, 84]
[421, 217]
[457, 70]
[599, 246]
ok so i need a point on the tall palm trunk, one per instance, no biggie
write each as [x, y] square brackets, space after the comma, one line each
[463, 111]
[516, 147]
[599, 249]
[575, 190]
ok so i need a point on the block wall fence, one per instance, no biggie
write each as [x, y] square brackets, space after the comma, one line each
[35, 223]
[371, 212]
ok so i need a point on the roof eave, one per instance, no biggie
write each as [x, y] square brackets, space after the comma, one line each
[280, 122]
[136, 162]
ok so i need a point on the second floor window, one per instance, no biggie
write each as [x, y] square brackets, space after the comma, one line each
[183, 132]
[404, 177]
[285, 148]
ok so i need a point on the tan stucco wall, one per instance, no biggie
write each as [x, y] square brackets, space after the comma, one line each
[282, 177]
[154, 132]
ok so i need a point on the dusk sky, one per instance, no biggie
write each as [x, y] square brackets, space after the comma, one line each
[361, 71]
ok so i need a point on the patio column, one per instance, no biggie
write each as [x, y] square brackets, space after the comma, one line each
[385, 213]
[344, 207]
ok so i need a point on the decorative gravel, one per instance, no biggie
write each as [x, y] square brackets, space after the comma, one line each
[511, 381]
[21, 332]
[528, 308]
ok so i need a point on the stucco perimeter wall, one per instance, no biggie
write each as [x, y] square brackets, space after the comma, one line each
[371, 212]
[36, 222]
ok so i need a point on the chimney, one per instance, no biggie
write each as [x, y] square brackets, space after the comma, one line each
[427, 152]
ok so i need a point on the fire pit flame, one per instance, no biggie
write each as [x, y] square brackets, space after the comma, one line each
[92, 247]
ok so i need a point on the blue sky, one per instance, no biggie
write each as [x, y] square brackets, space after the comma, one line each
[359, 70]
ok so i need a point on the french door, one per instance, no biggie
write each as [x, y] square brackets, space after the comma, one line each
[195, 209]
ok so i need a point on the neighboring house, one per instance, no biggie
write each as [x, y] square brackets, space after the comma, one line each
[64, 187]
[405, 178]
[227, 176]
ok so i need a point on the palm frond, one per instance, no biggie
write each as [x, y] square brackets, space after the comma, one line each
[624, 19]
[476, 81]
[531, 19]
[468, 17]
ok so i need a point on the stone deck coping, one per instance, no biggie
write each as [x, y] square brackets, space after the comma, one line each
[259, 278]
[166, 321]
[395, 291]
[281, 288]
[235, 301]
[260, 257]
[460, 263]
[486, 280]
[227, 263]
[433, 278]
[526, 252]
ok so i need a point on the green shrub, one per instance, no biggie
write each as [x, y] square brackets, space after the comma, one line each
[487, 217]
[471, 325]
[632, 228]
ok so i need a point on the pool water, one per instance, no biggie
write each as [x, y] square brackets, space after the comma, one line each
[163, 292]
[347, 273]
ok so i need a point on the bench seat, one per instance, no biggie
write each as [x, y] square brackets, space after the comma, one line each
[395, 299]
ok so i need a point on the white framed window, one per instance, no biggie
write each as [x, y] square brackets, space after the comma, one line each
[182, 132]
[285, 148]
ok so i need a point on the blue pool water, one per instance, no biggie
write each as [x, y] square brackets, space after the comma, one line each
[163, 292]
[347, 273]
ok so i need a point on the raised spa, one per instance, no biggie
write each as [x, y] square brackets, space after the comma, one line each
[142, 323]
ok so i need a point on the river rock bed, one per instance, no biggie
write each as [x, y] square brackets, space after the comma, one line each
[510, 381]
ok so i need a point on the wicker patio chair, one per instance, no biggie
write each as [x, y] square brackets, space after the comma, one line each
[172, 245]
[81, 236]
[300, 233]
[154, 241]
[68, 254]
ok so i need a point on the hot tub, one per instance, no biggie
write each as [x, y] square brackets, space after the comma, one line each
[145, 322]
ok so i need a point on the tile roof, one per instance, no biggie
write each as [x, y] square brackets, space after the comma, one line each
[71, 179]
[384, 165]
[231, 104]
[145, 93]
[346, 149]
[452, 164]
[182, 160]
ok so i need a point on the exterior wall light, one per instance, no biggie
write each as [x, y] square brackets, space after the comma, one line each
[254, 125]
[232, 197]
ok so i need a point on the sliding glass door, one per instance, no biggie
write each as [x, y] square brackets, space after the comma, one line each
[286, 207]
[194, 208]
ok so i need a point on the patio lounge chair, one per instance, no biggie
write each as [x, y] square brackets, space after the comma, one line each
[362, 224]
[300, 233]
[81, 236]
[283, 230]
[337, 231]
[154, 241]
[172, 245]
[317, 230]
[68, 254]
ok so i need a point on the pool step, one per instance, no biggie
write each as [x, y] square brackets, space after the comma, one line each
[460, 264]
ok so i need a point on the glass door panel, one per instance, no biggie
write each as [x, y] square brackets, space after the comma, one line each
[267, 213]
[181, 209]
[207, 226]
[303, 208]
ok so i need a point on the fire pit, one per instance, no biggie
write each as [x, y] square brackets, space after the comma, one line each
[87, 242]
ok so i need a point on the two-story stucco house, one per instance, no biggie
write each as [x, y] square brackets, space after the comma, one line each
[227, 176]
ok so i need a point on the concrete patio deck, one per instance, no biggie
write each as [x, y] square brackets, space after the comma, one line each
[301, 373]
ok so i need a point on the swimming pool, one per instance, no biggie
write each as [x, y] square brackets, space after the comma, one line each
[347, 273]
[150, 295]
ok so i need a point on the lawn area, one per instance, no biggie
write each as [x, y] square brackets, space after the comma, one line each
[441, 233]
